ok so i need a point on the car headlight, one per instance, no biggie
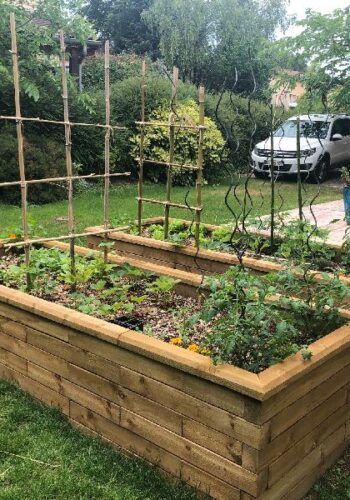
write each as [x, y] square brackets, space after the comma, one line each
[308, 152]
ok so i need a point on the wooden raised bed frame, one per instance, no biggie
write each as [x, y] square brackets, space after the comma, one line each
[228, 432]
[181, 257]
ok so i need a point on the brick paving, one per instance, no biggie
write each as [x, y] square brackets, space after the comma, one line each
[330, 216]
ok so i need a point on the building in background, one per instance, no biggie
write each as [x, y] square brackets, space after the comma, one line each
[286, 96]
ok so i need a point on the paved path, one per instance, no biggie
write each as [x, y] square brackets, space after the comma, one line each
[329, 216]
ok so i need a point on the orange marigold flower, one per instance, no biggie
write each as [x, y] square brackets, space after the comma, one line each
[193, 348]
[176, 341]
[13, 236]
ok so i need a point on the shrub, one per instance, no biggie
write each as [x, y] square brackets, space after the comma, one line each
[44, 157]
[238, 127]
[186, 145]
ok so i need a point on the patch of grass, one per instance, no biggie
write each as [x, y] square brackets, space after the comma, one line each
[88, 205]
[84, 467]
[335, 484]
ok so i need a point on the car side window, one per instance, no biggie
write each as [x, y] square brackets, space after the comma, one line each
[346, 127]
[337, 127]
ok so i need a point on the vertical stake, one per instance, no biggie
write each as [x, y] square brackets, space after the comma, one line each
[272, 173]
[20, 145]
[300, 199]
[107, 149]
[172, 120]
[200, 162]
[68, 151]
[142, 143]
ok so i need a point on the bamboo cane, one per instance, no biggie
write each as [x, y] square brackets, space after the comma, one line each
[167, 125]
[171, 204]
[107, 148]
[68, 152]
[61, 179]
[200, 163]
[142, 144]
[167, 164]
[172, 119]
[20, 145]
[59, 122]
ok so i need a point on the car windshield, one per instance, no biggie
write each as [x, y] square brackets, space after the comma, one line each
[312, 130]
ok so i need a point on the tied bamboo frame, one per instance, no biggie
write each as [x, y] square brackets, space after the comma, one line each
[169, 165]
[69, 178]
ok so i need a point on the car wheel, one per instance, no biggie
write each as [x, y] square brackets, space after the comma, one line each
[320, 172]
[261, 175]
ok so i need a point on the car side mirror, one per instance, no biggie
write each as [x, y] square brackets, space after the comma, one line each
[337, 137]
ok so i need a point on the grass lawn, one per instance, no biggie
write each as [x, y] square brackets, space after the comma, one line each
[88, 206]
[43, 457]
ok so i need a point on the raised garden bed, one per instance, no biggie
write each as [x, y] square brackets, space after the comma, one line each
[184, 256]
[229, 432]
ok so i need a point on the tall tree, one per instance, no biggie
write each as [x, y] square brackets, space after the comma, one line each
[121, 22]
[214, 41]
[325, 44]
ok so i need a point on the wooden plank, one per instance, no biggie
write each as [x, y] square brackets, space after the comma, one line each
[36, 389]
[196, 455]
[12, 361]
[91, 401]
[52, 345]
[127, 399]
[219, 443]
[297, 389]
[294, 476]
[195, 409]
[210, 392]
[125, 439]
[251, 458]
[14, 329]
[45, 377]
[329, 409]
[303, 447]
[34, 321]
[31, 353]
[287, 417]
[301, 489]
[208, 484]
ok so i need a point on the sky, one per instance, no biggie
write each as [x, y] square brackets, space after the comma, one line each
[298, 7]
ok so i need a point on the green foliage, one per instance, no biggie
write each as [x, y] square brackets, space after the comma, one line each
[156, 145]
[324, 42]
[251, 331]
[208, 40]
[121, 22]
[44, 157]
[302, 243]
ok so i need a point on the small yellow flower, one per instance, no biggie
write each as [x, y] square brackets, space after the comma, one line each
[176, 341]
[193, 348]
[205, 351]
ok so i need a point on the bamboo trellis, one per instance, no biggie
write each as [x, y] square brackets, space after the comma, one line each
[169, 165]
[69, 178]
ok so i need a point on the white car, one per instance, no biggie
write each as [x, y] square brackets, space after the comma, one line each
[324, 145]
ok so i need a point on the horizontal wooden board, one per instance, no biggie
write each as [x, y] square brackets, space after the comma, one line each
[13, 328]
[126, 440]
[315, 438]
[310, 379]
[10, 360]
[219, 443]
[202, 389]
[127, 399]
[191, 452]
[327, 409]
[36, 389]
[34, 354]
[34, 321]
[208, 484]
[287, 417]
